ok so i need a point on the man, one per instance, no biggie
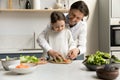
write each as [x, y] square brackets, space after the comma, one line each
[77, 26]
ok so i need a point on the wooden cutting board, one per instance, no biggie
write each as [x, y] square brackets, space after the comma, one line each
[63, 62]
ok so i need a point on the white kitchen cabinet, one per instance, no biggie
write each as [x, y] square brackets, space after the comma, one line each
[115, 11]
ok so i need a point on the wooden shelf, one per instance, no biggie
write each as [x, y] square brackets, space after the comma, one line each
[32, 10]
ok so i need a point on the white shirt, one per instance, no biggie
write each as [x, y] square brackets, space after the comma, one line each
[79, 33]
[59, 41]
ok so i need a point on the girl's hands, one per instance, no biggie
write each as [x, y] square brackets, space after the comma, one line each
[72, 54]
[56, 55]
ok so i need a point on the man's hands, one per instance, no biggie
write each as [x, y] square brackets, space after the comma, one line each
[72, 54]
[56, 55]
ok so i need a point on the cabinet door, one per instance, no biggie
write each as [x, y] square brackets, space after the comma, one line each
[115, 4]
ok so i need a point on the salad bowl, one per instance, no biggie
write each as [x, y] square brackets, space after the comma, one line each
[22, 68]
[96, 60]
[92, 67]
[7, 62]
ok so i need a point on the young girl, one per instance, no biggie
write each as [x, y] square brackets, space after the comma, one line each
[58, 36]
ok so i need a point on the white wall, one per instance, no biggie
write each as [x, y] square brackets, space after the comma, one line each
[104, 25]
[92, 37]
[20, 26]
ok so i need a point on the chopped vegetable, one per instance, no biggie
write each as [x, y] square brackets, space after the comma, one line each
[7, 58]
[66, 60]
[22, 66]
[29, 59]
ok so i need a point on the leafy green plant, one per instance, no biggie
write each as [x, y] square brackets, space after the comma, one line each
[98, 58]
[115, 59]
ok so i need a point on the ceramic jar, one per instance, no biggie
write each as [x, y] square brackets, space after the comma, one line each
[9, 4]
[28, 4]
[58, 4]
[36, 4]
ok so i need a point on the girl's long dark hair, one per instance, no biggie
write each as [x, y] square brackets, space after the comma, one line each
[56, 15]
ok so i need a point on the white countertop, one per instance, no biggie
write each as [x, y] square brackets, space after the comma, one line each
[74, 71]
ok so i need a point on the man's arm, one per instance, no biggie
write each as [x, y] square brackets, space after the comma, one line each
[71, 42]
[73, 50]
[81, 43]
[82, 39]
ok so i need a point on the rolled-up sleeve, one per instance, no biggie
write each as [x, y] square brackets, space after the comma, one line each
[79, 32]
[72, 43]
[82, 39]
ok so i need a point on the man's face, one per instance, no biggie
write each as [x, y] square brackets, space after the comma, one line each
[58, 26]
[75, 16]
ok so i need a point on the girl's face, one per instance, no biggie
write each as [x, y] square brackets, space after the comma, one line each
[75, 16]
[58, 26]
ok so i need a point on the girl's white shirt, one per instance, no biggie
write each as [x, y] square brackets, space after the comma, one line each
[60, 41]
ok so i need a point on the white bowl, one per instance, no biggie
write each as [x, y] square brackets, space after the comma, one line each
[31, 68]
[5, 63]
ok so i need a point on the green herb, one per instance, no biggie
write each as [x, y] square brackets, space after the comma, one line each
[98, 58]
[29, 59]
[7, 58]
[115, 59]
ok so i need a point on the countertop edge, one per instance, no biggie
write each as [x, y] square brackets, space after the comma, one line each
[25, 51]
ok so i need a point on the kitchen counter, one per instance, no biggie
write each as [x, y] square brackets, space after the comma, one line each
[14, 51]
[74, 71]
[17, 53]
